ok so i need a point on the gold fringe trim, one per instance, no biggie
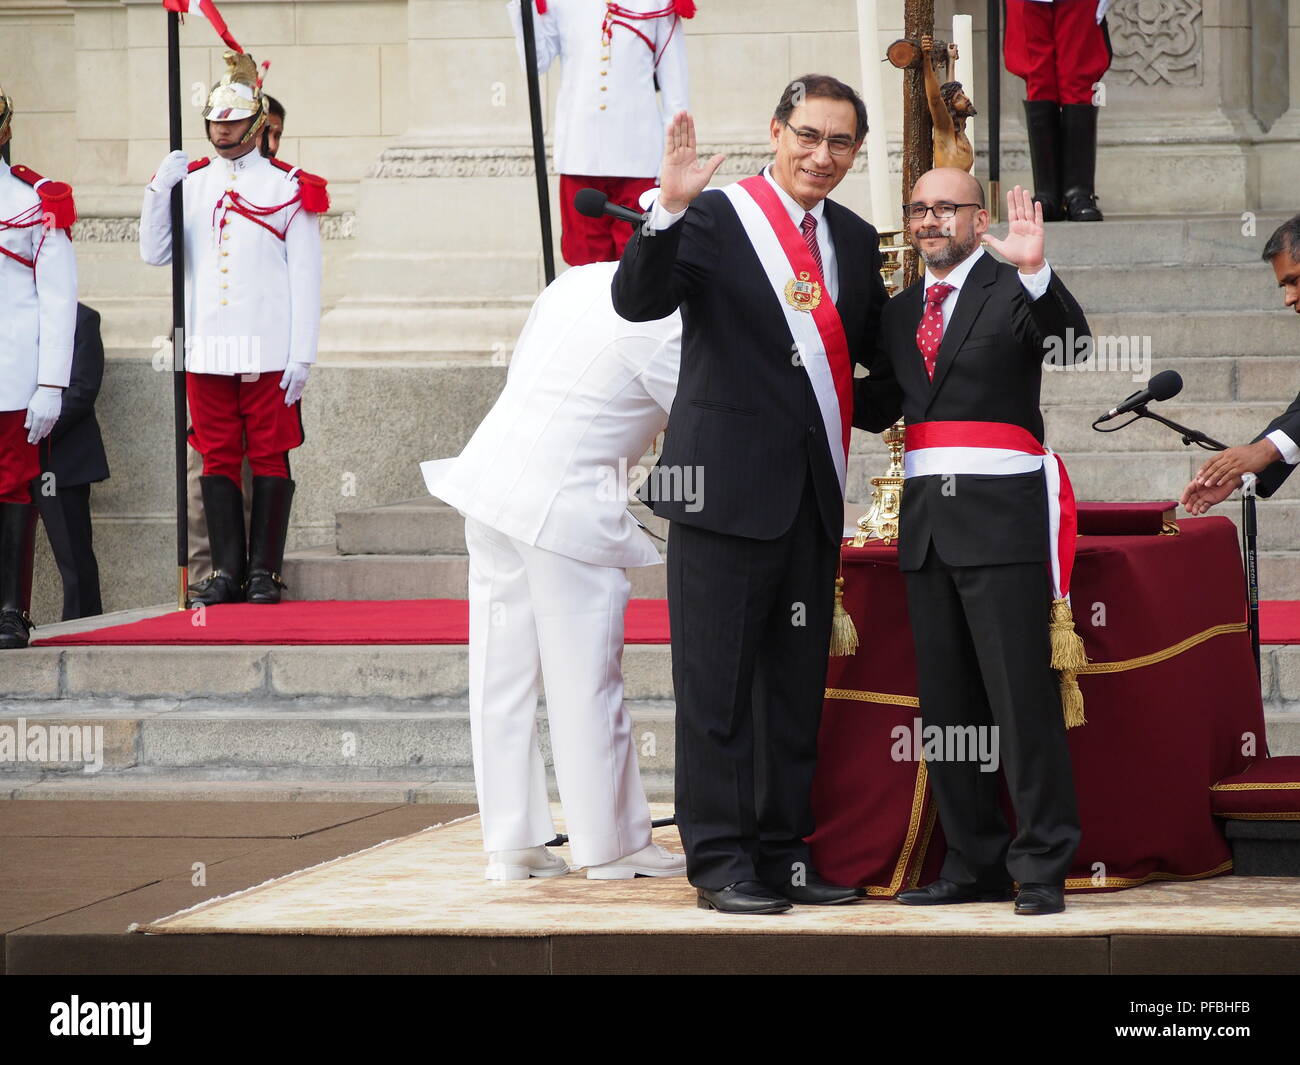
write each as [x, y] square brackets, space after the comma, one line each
[844, 634]
[1121, 666]
[853, 695]
[1288, 786]
[1079, 882]
[1290, 815]
[1163, 655]
[910, 840]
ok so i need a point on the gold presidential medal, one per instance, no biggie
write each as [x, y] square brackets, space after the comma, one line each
[803, 294]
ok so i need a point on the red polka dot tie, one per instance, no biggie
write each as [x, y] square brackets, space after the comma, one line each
[929, 334]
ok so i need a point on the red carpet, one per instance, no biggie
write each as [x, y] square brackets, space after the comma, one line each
[415, 621]
[404, 621]
[1279, 621]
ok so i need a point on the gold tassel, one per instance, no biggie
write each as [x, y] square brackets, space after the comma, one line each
[1067, 645]
[844, 634]
[1071, 700]
[1068, 657]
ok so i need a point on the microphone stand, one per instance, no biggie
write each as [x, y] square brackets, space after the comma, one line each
[1249, 528]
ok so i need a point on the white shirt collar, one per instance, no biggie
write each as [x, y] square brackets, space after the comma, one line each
[795, 211]
[245, 161]
[959, 273]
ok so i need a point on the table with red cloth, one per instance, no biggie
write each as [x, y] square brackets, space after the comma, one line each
[1171, 695]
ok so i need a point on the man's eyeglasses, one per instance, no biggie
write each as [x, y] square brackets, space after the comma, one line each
[917, 211]
[811, 139]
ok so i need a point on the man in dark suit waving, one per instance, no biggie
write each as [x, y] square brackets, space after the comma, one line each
[780, 294]
[987, 533]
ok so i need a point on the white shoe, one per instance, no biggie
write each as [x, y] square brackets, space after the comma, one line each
[520, 865]
[649, 861]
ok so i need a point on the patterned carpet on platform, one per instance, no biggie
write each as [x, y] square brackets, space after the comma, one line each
[431, 883]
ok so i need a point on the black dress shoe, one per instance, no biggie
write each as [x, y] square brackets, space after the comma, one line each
[747, 896]
[1037, 899]
[818, 892]
[945, 893]
[15, 628]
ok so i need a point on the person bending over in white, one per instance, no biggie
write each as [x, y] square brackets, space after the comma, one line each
[543, 488]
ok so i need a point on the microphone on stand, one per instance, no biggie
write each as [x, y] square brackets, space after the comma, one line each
[593, 204]
[1164, 385]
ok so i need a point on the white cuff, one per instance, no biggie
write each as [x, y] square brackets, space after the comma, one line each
[1290, 453]
[1036, 284]
[662, 219]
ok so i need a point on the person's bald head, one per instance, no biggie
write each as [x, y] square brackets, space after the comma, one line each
[950, 184]
[944, 242]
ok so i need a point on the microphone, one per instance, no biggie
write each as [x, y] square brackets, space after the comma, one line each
[1164, 385]
[593, 204]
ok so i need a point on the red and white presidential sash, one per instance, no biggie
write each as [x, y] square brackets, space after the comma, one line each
[809, 312]
[1000, 449]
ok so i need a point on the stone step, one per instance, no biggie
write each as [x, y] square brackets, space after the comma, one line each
[138, 785]
[1205, 240]
[1225, 287]
[320, 573]
[1106, 379]
[325, 742]
[1201, 332]
[1070, 432]
[381, 676]
[426, 327]
[423, 527]
[384, 678]
[330, 756]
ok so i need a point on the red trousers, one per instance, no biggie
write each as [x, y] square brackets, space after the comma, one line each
[597, 240]
[19, 460]
[232, 418]
[1058, 48]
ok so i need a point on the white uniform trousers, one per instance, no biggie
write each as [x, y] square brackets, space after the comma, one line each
[535, 614]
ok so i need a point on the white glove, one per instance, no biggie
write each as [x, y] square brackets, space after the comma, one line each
[43, 412]
[171, 171]
[294, 381]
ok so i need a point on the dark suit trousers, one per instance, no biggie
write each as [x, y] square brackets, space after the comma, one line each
[983, 658]
[750, 623]
[66, 516]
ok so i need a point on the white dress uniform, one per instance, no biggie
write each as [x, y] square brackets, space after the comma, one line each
[38, 308]
[608, 121]
[252, 299]
[542, 485]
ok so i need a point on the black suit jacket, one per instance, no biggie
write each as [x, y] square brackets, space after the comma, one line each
[989, 369]
[745, 413]
[74, 450]
[1271, 478]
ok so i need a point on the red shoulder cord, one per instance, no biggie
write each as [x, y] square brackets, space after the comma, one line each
[33, 216]
[233, 201]
[615, 13]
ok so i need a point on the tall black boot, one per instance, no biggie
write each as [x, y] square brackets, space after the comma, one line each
[17, 554]
[1079, 133]
[1043, 120]
[223, 505]
[268, 528]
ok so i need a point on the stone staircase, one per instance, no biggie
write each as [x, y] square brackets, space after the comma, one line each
[389, 723]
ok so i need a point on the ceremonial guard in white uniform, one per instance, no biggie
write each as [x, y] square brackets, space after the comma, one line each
[252, 284]
[609, 123]
[543, 488]
[38, 319]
